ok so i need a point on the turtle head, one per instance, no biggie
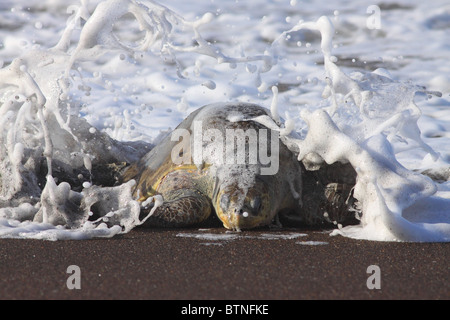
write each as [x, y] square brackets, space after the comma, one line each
[244, 209]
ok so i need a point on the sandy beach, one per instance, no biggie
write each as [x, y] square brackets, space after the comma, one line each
[210, 264]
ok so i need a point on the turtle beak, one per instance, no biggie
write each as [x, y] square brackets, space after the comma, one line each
[234, 222]
[241, 217]
[233, 219]
[238, 214]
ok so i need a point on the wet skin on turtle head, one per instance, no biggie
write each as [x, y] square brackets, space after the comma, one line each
[244, 209]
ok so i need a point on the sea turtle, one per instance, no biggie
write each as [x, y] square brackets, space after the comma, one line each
[192, 171]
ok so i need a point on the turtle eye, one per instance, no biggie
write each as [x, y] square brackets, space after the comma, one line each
[256, 204]
[224, 202]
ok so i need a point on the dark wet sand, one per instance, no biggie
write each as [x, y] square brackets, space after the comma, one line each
[158, 264]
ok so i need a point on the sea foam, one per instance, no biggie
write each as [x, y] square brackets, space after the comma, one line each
[70, 106]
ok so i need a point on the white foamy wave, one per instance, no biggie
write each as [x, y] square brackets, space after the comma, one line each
[387, 114]
[228, 236]
[41, 129]
[46, 231]
[312, 243]
[122, 70]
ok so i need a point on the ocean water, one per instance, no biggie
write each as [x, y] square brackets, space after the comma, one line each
[373, 78]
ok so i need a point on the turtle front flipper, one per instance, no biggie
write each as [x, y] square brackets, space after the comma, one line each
[181, 208]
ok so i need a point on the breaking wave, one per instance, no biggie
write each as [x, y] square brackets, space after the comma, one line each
[55, 145]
